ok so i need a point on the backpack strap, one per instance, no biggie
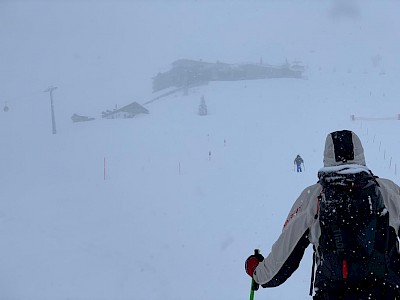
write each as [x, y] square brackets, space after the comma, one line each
[313, 271]
[314, 259]
[319, 198]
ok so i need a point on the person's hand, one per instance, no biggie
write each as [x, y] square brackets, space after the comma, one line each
[252, 262]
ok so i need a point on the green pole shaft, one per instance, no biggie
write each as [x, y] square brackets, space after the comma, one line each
[251, 290]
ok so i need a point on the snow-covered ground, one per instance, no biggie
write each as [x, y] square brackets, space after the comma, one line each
[185, 198]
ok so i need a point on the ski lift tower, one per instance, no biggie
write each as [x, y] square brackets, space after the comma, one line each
[53, 119]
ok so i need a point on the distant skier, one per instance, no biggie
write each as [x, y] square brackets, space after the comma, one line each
[298, 161]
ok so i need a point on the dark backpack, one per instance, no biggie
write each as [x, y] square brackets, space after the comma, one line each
[354, 236]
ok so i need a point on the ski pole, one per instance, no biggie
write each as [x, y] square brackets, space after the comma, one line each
[254, 285]
[252, 291]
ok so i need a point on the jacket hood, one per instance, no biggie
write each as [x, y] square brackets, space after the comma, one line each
[342, 148]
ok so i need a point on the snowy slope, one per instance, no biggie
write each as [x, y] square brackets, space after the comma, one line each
[169, 220]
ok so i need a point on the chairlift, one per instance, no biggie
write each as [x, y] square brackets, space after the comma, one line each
[6, 108]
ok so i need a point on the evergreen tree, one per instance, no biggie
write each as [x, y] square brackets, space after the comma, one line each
[202, 107]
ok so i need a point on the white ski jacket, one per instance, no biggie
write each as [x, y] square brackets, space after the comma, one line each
[302, 228]
[343, 153]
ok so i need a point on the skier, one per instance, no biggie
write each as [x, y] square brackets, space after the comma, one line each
[340, 274]
[298, 161]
